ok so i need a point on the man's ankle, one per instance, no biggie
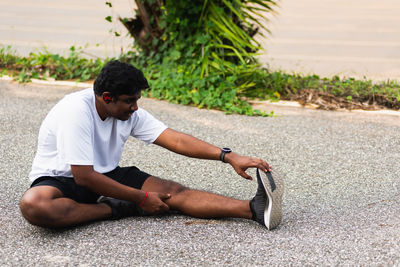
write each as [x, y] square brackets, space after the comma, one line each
[107, 209]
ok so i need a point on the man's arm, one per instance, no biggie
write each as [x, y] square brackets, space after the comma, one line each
[190, 146]
[85, 175]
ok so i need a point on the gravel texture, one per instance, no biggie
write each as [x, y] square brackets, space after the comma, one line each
[341, 205]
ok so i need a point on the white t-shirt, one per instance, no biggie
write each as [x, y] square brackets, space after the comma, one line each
[74, 134]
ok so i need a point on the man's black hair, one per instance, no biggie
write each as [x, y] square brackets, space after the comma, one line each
[119, 79]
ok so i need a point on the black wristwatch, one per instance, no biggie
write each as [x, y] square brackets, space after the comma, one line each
[224, 150]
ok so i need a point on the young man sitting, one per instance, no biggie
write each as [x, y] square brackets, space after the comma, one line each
[75, 174]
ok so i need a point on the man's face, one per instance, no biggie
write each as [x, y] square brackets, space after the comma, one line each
[124, 106]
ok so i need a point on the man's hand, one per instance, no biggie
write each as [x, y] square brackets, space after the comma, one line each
[155, 203]
[241, 163]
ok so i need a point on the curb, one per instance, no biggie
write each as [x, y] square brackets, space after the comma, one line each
[281, 103]
[52, 82]
[293, 104]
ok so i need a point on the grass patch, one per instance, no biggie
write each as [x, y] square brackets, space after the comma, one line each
[332, 93]
[181, 83]
[44, 65]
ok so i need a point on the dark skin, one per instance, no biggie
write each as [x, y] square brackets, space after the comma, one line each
[121, 108]
[46, 206]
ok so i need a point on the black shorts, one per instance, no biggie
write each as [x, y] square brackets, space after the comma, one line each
[130, 176]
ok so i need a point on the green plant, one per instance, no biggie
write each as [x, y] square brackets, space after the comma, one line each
[208, 45]
[7, 56]
[42, 65]
[179, 83]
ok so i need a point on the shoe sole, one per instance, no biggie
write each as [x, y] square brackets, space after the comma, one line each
[274, 187]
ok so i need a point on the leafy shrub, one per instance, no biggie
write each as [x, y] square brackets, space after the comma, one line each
[199, 52]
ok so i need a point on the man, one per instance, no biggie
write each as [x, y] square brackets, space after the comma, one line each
[76, 177]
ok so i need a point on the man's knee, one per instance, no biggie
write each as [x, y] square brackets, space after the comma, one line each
[174, 188]
[30, 207]
[34, 206]
[165, 186]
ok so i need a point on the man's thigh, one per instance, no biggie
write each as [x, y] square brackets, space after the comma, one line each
[41, 193]
[130, 176]
[67, 188]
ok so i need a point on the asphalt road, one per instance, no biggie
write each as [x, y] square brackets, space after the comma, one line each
[341, 205]
[357, 38]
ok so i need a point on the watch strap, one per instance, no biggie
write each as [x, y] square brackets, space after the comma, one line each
[224, 151]
[222, 156]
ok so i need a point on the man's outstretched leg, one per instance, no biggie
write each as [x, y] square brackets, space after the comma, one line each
[198, 203]
[265, 207]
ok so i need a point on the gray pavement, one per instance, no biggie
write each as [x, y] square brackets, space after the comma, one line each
[57, 25]
[341, 206]
[358, 38]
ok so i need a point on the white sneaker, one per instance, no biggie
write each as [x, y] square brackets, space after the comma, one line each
[266, 205]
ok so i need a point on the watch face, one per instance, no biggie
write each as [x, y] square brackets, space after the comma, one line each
[226, 149]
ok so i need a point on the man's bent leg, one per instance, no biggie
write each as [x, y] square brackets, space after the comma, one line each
[45, 206]
[198, 203]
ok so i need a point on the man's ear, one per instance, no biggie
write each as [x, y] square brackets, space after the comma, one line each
[107, 97]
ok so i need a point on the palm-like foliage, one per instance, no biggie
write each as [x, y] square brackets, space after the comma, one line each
[228, 26]
[232, 25]
[213, 39]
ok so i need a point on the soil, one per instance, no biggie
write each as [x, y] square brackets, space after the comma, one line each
[327, 101]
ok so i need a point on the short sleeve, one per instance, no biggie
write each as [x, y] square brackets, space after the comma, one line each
[147, 128]
[74, 135]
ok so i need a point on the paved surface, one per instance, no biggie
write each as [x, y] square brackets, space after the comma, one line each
[350, 38]
[354, 38]
[341, 206]
[31, 26]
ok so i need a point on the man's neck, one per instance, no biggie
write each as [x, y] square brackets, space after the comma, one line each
[100, 109]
